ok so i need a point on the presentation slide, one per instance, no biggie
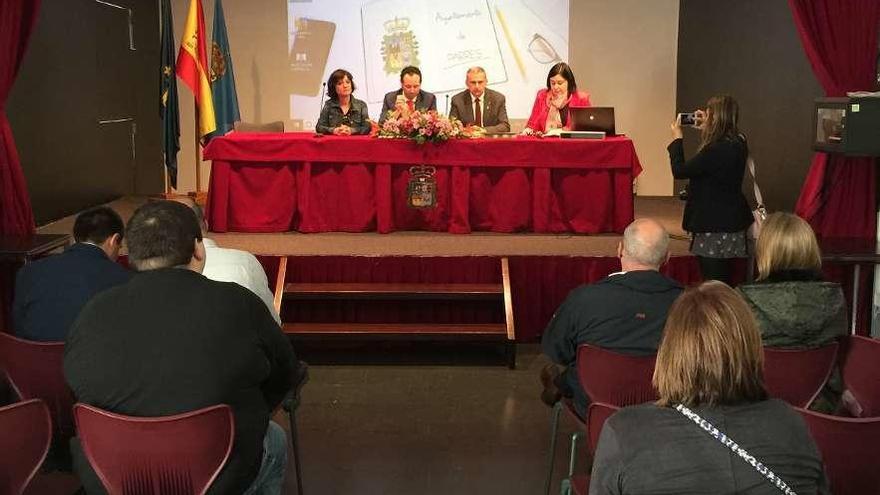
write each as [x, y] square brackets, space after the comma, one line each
[515, 41]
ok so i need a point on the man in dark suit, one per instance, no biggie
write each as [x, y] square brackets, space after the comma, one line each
[413, 98]
[479, 106]
[171, 340]
[49, 293]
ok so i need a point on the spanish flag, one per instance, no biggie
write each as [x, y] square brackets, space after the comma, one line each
[193, 67]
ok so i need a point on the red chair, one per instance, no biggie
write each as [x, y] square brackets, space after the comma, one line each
[608, 377]
[36, 371]
[861, 375]
[25, 434]
[849, 451]
[597, 414]
[169, 455]
[798, 375]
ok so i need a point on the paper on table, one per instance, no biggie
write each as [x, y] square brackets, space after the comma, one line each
[452, 35]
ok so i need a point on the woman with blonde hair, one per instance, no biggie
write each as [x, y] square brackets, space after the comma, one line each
[716, 212]
[713, 430]
[795, 308]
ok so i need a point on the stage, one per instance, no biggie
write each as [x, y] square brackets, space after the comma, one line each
[543, 267]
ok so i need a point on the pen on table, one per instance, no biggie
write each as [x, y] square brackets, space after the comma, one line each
[516, 55]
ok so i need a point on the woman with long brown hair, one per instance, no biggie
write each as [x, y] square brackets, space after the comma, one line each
[716, 213]
[713, 430]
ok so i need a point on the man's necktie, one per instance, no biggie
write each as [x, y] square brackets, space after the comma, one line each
[410, 105]
[478, 113]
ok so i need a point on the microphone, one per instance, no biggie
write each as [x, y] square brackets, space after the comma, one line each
[323, 100]
[447, 104]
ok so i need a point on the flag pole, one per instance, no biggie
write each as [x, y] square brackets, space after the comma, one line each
[198, 156]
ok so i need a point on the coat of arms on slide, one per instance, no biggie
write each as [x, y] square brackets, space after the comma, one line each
[399, 46]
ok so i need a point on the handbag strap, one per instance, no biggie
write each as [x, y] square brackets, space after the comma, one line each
[758, 198]
[737, 449]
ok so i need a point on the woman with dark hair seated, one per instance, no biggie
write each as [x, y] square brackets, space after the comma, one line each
[795, 307]
[343, 114]
[551, 108]
[713, 430]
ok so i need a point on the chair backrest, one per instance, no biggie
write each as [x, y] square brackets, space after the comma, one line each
[277, 126]
[597, 414]
[169, 455]
[25, 434]
[614, 378]
[797, 376]
[36, 371]
[849, 450]
[860, 370]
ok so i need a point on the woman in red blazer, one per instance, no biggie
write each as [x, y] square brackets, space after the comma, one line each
[551, 108]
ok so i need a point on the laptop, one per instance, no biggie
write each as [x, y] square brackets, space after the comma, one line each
[593, 119]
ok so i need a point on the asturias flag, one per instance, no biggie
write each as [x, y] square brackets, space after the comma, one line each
[222, 77]
[168, 107]
[192, 66]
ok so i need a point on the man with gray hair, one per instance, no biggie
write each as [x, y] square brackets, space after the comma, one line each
[478, 105]
[624, 312]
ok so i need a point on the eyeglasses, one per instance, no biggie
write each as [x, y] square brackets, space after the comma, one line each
[542, 51]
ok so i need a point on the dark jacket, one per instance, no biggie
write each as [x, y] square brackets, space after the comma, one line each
[623, 312]
[358, 117]
[648, 449]
[494, 113]
[49, 293]
[796, 309]
[424, 101]
[172, 341]
[715, 200]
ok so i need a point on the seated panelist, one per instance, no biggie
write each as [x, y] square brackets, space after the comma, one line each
[552, 104]
[343, 114]
[409, 97]
[478, 106]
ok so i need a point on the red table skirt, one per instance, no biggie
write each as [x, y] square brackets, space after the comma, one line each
[298, 184]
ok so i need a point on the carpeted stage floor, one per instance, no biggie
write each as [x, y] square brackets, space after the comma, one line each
[667, 210]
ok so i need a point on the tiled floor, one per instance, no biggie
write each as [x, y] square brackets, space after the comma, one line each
[457, 428]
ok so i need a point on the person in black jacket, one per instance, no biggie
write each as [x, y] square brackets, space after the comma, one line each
[49, 293]
[624, 312]
[343, 114]
[716, 212]
[172, 341]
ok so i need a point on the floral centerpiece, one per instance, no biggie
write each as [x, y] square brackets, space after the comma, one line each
[421, 127]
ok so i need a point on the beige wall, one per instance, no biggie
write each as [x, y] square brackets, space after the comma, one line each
[623, 52]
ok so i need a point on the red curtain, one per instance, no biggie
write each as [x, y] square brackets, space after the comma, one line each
[17, 19]
[840, 40]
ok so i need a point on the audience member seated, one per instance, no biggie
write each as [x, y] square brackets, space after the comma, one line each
[171, 341]
[624, 312]
[552, 104]
[49, 293]
[794, 306]
[233, 265]
[708, 378]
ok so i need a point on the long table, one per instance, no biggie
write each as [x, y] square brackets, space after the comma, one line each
[297, 181]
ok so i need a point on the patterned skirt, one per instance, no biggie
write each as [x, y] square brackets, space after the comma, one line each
[720, 244]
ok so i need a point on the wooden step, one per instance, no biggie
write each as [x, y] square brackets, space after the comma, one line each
[392, 291]
[470, 331]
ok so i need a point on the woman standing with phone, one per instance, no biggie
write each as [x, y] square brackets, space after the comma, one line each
[716, 212]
